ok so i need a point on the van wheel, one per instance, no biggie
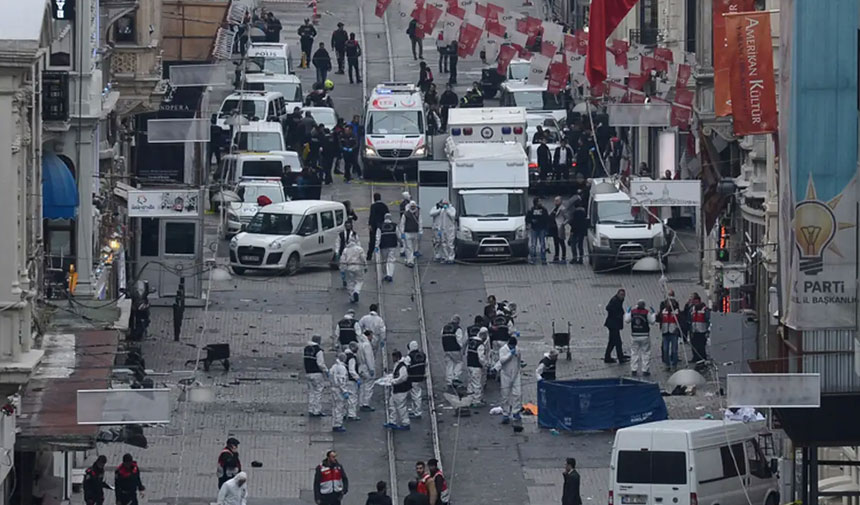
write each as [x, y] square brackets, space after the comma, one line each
[772, 499]
[292, 264]
[238, 270]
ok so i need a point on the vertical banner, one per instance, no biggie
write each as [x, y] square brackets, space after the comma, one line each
[722, 60]
[470, 36]
[558, 75]
[553, 33]
[752, 84]
[537, 70]
[506, 54]
[491, 45]
[405, 8]
[577, 69]
[381, 6]
[823, 166]
[429, 18]
[684, 74]
[783, 165]
[451, 28]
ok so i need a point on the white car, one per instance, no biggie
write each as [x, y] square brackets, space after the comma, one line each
[325, 116]
[288, 85]
[283, 237]
[239, 213]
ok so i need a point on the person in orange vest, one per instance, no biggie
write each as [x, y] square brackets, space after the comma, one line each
[228, 462]
[439, 482]
[667, 316]
[426, 484]
[330, 481]
[700, 326]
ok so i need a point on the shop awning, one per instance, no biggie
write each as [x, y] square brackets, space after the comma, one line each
[59, 190]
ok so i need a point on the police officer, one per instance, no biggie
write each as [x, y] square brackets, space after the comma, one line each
[416, 369]
[397, 418]
[347, 330]
[476, 363]
[668, 319]
[640, 320]
[499, 334]
[546, 367]
[353, 381]
[700, 323]
[453, 341]
[316, 372]
[386, 237]
[94, 482]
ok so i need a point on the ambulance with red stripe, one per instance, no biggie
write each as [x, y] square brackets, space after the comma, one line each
[395, 129]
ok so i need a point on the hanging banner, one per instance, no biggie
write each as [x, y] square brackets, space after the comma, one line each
[664, 53]
[381, 6]
[822, 156]
[470, 36]
[509, 20]
[619, 49]
[537, 70]
[495, 11]
[506, 54]
[532, 29]
[548, 49]
[637, 81]
[683, 77]
[684, 96]
[430, 15]
[577, 69]
[451, 27]
[582, 42]
[553, 33]
[680, 116]
[722, 59]
[494, 27]
[752, 82]
[405, 8]
[491, 46]
[558, 75]
[519, 40]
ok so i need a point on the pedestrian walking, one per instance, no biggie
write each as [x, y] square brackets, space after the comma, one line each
[578, 231]
[373, 321]
[570, 490]
[355, 265]
[338, 42]
[442, 495]
[547, 365]
[398, 416]
[453, 344]
[476, 364]
[537, 219]
[544, 160]
[448, 100]
[640, 320]
[425, 77]
[445, 224]
[426, 484]
[700, 327]
[667, 316]
[411, 231]
[322, 63]
[378, 210]
[380, 496]
[347, 330]
[415, 39]
[349, 147]
[353, 52]
[330, 150]
[442, 48]
[339, 392]
[386, 237]
[330, 481]
[511, 385]
[417, 370]
[406, 197]
[452, 62]
[366, 370]
[229, 464]
[126, 481]
[316, 372]
[354, 381]
[306, 32]
[234, 491]
[614, 323]
[94, 482]
[562, 161]
[343, 238]
[557, 221]
[414, 497]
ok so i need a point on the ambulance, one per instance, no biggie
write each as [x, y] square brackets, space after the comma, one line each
[395, 129]
[488, 124]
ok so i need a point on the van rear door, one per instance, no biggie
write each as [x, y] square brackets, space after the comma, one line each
[653, 477]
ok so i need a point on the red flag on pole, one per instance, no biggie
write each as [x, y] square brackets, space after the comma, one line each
[637, 81]
[427, 22]
[548, 49]
[684, 74]
[604, 17]
[470, 35]
[752, 87]
[381, 6]
[506, 54]
[558, 75]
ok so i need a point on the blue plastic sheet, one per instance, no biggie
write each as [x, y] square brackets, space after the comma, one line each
[598, 404]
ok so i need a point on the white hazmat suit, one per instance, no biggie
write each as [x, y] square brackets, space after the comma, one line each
[398, 415]
[444, 227]
[366, 370]
[476, 354]
[339, 392]
[511, 386]
[316, 383]
[352, 384]
[374, 322]
[234, 491]
[353, 263]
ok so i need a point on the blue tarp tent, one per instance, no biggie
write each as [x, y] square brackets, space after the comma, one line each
[59, 190]
[598, 404]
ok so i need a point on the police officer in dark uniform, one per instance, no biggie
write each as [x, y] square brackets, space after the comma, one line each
[94, 482]
[546, 367]
[387, 238]
[416, 370]
[452, 344]
[347, 330]
[315, 372]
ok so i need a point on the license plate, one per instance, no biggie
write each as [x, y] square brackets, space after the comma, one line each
[249, 258]
[634, 499]
[496, 249]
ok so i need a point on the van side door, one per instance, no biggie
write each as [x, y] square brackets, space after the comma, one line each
[311, 244]
[760, 479]
[329, 231]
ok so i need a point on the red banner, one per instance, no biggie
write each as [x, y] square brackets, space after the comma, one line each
[506, 54]
[753, 92]
[481, 9]
[558, 76]
[619, 50]
[684, 74]
[495, 11]
[637, 81]
[548, 49]
[495, 28]
[722, 58]
[533, 29]
[684, 96]
[381, 6]
[582, 42]
[570, 46]
[664, 53]
[453, 4]
[680, 117]
[427, 21]
[598, 90]
[457, 11]
[470, 36]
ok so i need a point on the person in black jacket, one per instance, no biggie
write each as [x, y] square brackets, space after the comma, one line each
[544, 160]
[570, 491]
[329, 151]
[614, 323]
[307, 32]
[338, 42]
[583, 158]
[94, 482]
[273, 28]
[353, 51]
[578, 231]
[538, 220]
[562, 161]
[414, 497]
[380, 496]
[417, 42]
[425, 77]
[349, 146]
[322, 63]
[378, 210]
[452, 61]
[127, 481]
[448, 100]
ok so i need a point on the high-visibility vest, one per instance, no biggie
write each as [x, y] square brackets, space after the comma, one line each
[698, 319]
[443, 493]
[422, 484]
[668, 319]
[331, 479]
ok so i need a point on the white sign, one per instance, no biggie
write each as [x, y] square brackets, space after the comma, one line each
[666, 193]
[775, 390]
[163, 203]
[123, 406]
[635, 114]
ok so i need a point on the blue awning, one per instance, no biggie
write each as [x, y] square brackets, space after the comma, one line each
[59, 190]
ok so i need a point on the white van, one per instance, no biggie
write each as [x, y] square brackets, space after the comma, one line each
[488, 124]
[255, 105]
[533, 98]
[691, 462]
[286, 236]
[288, 85]
[269, 57]
[395, 128]
[260, 136]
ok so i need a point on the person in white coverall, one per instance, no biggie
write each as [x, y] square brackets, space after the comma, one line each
[454, 345]
[339, 392]
[476, 364]
[353, 263]
[354, 381]
[444, 228]
[373, 321]
[511, 386]
[234, 491]
[640, 320]
[366, 370]
[411, 229]
[398, 415]
[316, 372]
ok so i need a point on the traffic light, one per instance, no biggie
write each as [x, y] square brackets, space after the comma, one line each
[723, 250]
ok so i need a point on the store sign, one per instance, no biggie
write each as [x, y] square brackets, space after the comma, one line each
[163, 203]
[666, 193]
[55, 96]
[63, 9]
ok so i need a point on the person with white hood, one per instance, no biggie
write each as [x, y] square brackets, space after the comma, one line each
[345, 331]
[373, 321]
[411, 229]
[444, 228]
[354, 264]
[386, 238]
[339, 392]
[316, 372]
[398, 416]
[546, 367]
[366, 370]
[511, 386]
[417, 370]
[354, 381]
[406, 198]
[234, 491]
[453, 344]
[476, 364]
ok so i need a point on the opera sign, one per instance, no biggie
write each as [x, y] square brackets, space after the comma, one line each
[63, 9]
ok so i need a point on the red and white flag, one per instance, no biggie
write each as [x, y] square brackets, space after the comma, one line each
[470, 36]
[495, 11]
[481, 9]
[684, 96]
[616, 91]
[494, 27]
[582, 42]
[680, 116]
[492, 45]
[451, 26]
[634, 96]
[405, 8]
[532, 29]
[429, 18]
[381, 7]
[558, 75]
[506, 54]
[604, 17]
[664, 53]
[519, 39]
[553, 33]
[637, 81]
[684, 74]
[537, 70]
[598, 90]
[548, 49]
[577, 69]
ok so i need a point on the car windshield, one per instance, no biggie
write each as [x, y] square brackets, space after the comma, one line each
[401, 122]
[273, 224]
[274, 65]
[325, 117]
[519, 71]
[492, 204]
[292, 91]
[538, 100]
[250, 192]
[260, 141]
[262, 168]
[618, 212]
[550, 134]
[250, 108]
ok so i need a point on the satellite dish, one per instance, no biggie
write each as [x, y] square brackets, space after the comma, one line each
[685, 377]
[647, 264]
